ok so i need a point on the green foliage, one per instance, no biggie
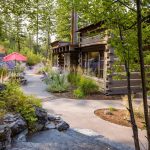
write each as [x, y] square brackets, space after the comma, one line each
[46, 68]
[3, 71]
[19, 68]
[57, 82]
[78, 93]
[74, 78]
[63, 24]
[111, 109]
[88, 86]
[147, 59]
[16, 101]
[32, 59]
[84, 85]
[2, 105]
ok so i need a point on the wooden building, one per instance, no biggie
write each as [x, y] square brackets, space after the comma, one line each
[94, 55]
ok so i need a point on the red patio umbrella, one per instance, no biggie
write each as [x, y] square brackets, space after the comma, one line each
[15, 56]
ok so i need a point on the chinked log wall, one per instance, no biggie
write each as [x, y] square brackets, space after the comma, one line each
[116, 82]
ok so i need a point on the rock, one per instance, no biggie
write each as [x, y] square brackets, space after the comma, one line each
[15, 122]
[42, 117]
[21, 137]
[5, 137]
[41, 114]
[62, 126]
[50, 126]
[38, 126]
[51, 118]
[107, 112]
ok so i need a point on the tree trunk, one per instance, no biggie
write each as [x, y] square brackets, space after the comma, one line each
[30, 42]
[37, 34]
[48, 44]
[144, 91]
[19, 47]
[18, 38]
[130, 109]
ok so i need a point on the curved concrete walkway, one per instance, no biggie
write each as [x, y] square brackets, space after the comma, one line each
[80, 113]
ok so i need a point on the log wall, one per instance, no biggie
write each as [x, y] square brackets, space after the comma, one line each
[116, 82]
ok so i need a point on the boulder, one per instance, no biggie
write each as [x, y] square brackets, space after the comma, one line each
[5, 137]
[16, 123]
[62, 126]
[21, 137]
[41, 114]
[46, 121]
[49, 126]
[42, 118]
[51, 117]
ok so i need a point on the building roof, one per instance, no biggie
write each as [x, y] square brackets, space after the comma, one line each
[90, 27]
[59, 43]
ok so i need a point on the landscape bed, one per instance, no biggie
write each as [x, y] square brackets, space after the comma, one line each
[93, 96]
[119, 116]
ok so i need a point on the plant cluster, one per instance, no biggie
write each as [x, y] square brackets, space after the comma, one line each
[112, 109]
[33, 59]
[85, 85]
[19, 69]
[56, 82]
[45, 69]
[12, 99]
[3, 73]
[74, 78]
[138, 108]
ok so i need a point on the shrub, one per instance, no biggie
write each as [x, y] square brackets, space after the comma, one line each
[78, 93]
[74, 78]
[85, 85]
[138, 110]
[3, 73]
[88, 86]
[46, 68]
[16, 101]
[57, 82]
[32, 58]
[147, 59]
[19, 68]
[111, 109]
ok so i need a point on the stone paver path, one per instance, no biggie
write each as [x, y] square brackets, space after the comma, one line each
[80, 113]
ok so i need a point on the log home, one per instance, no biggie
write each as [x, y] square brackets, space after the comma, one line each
[94, 55]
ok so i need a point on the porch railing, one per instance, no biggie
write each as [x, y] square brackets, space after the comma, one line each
[98, 39]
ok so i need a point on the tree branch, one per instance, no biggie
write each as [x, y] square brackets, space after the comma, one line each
[125, 5]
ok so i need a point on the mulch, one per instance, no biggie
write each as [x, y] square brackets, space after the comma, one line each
[119, 117]
[94, 96]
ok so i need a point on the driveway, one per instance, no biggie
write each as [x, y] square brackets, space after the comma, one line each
[80, 113]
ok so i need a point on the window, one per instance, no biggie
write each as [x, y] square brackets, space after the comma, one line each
[101, 64]
[93, 63]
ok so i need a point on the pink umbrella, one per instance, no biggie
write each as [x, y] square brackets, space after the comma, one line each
[15, 56]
